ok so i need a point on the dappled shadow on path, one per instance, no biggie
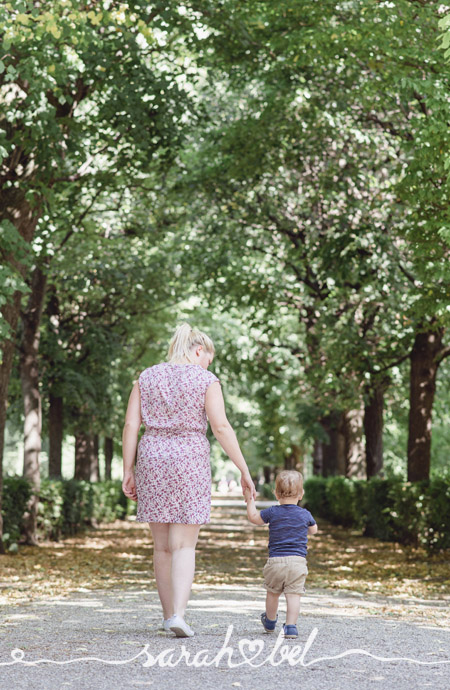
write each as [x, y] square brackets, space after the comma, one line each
[346, 571]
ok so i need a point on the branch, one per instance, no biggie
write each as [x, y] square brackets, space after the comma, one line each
[84, 166]
[389, 127]
[422, 104]
[65, 110]
[442, 354]
[408, 275]
[80, 220]
[394, 364]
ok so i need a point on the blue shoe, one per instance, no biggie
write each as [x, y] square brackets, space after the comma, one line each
[290, 631]
[269, 626]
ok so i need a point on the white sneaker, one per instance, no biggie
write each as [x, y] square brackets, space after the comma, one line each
[165, 625]
[179, 626]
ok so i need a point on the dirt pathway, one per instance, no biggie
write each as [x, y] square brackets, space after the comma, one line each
[95, 597]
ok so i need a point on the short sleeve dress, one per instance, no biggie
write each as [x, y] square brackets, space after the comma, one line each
[173, 471]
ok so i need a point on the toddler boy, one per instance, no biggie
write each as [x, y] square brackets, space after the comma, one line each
[286, 569]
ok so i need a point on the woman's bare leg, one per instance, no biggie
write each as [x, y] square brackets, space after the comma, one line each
[162, 565]
[182, 543]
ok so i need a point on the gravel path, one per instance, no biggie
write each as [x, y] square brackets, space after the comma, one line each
[111, 638]
[121, 626]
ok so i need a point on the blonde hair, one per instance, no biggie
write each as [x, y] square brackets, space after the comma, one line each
[288, 483]
[184, 339]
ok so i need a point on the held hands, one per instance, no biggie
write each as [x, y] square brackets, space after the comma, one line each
[129, 486]
[248, 488]
[247, 494]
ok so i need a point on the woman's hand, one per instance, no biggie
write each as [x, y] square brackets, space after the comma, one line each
[129, 486]
[247, 494]
[247, 483]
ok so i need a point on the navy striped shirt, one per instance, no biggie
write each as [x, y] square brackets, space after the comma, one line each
[288, 529]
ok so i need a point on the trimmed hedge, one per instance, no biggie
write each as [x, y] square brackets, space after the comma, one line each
[15, 496]
[416, 514]
[65, 506]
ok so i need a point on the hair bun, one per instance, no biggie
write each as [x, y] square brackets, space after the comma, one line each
[184, 338]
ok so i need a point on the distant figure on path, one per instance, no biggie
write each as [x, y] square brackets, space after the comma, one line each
[285, 569]
[172, 478]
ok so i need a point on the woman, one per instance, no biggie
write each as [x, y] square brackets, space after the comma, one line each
[172, 480]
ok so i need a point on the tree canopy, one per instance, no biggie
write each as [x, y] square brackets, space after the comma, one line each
[277, 172]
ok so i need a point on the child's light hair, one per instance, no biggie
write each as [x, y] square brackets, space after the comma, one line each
[184, 339]
[288, 483]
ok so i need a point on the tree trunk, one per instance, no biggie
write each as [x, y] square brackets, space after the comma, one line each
[14, 208]
[268, 473]
[333, 458]
[373, 431]
[424, 365]
[293, 461]
[109, 449]
[355, 456]
[85, 457]
[330, 448]
[341, 446]
[318, 457]
[10, 313]
[29, 376]
[95, 468]
[56, 435]
[56, 401]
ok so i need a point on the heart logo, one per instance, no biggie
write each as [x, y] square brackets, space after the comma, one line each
[254, 647]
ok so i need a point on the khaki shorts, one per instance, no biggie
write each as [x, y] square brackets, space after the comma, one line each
[285, 574]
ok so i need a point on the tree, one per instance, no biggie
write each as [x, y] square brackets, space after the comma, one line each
[88, 103]
[322, 149]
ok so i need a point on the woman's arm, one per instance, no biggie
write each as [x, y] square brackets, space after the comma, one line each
[133, 421]
[312, 529]
[224, 433]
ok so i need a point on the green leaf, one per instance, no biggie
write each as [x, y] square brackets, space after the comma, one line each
[446, 40]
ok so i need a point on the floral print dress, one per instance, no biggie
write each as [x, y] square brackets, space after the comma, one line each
[173, 472]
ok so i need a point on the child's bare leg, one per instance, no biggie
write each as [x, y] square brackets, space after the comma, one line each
[271, 605]
[292, 608]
